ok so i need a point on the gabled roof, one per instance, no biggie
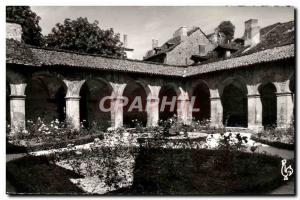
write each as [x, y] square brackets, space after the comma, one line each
[175, 41]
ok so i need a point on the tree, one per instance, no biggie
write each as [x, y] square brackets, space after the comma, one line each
[228, 29]
[29, 21]
[81, 36]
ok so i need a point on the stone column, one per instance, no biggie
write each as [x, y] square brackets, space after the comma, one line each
[183, 107]
[183, 110]
[284, 109]
[152, 106]
[117, 104]
[254, 109]
[216, 113]
[17, 107]
[73, 103]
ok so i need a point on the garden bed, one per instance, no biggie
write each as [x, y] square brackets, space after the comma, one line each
[36, 175]
[202, 172]
[277, 144]
[156, 171]
[60, 143]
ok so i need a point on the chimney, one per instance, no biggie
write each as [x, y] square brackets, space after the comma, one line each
[154, 44]
[181, 32]
[214, 37]
[252, 32]
[14, 31]
[125, 41]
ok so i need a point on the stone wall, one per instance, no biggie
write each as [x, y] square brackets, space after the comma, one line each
[182, 53]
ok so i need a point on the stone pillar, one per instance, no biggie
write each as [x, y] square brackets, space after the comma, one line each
[117, 104]
[152, 106]
[284, 109]
[183, 107]
[73, 103]
[183, 110]
[254, 109]
[216, 113]
[17, 107]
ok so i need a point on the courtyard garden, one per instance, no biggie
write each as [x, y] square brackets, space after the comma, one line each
[171, 159]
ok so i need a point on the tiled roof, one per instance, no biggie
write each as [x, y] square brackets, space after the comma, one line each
[76, 60]
[171, 43]
[18, 53]
[269, 55]
[275, 35]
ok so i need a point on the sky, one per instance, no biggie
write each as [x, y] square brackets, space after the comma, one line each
[142, 24]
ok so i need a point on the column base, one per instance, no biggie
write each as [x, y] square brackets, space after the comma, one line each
[256, 128]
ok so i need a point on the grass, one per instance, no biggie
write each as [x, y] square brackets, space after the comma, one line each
[36, 175]
[202, 172]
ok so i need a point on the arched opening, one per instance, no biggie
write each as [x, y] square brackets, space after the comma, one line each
[292, 86]
[135, 111]
[45, 98]
[235, 105]
[7, 103]
[201, 102]
[292, 89]
[269, 104]
[167, 94]
[91, 93]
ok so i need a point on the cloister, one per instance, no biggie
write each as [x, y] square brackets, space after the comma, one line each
[251, 91]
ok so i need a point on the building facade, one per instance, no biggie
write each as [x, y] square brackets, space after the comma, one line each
[253, 89]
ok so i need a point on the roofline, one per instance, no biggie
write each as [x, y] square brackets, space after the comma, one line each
[98, 55]
[268, 55]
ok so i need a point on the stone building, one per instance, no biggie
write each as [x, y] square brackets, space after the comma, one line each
[179, 49]
[252, 88]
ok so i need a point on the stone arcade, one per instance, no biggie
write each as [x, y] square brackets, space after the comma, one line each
[252, 90]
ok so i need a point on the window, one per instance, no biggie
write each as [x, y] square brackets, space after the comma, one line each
[201, 49]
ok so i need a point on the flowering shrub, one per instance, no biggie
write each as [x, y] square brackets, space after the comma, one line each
[286, 136]
[110, 160]
[40, 132]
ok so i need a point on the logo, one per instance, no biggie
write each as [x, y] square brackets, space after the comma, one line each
[286, 171]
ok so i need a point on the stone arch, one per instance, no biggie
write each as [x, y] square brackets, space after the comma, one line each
[92, 92]
[45, 98]
[135, 110]
[292, 84]
[269, 104]
[8, 93]
[201, 94]
[233, 93]
[168, 92]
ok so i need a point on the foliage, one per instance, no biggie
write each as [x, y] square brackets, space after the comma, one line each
[82, 36]
[286, 136]
[194, 172]
[115, 165]
[39, 175]
[55, 134]
[228, 29]
[29, 21]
